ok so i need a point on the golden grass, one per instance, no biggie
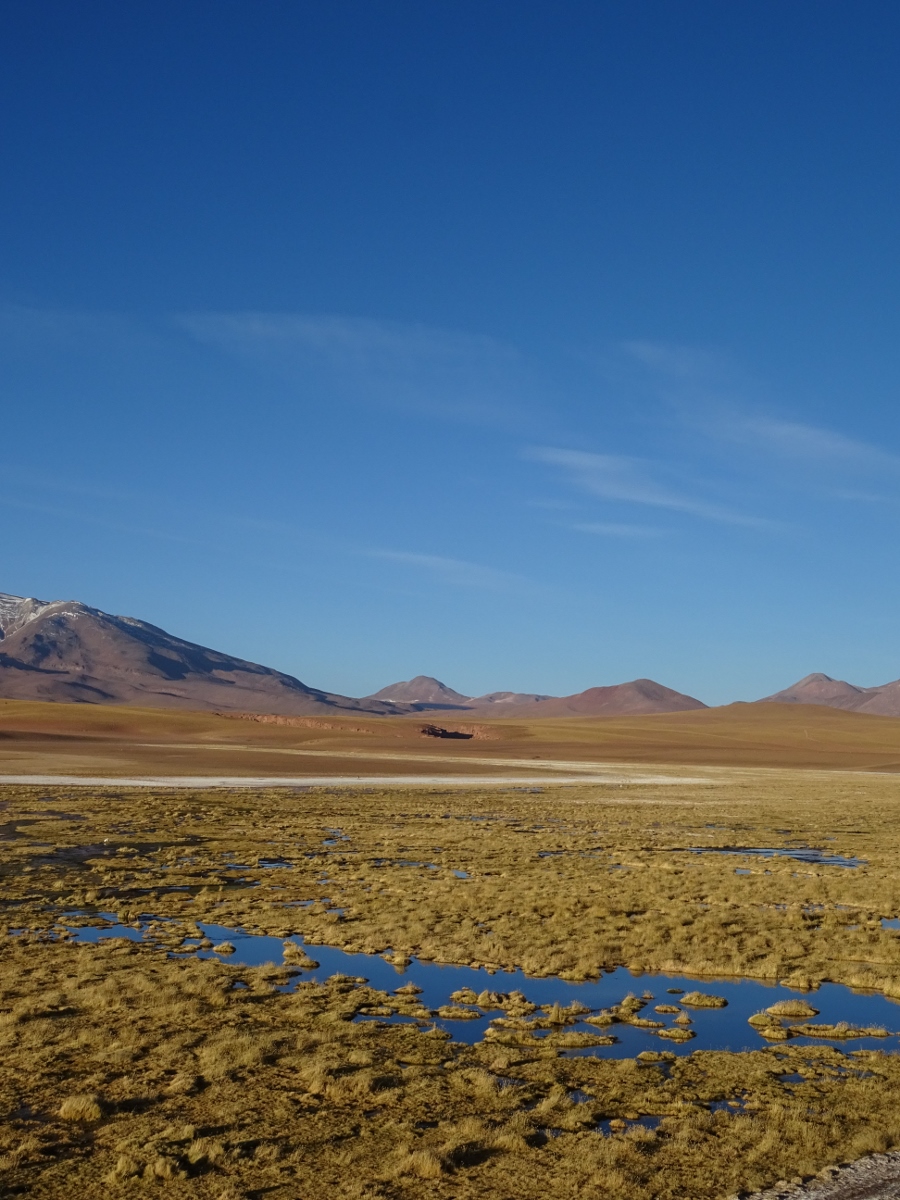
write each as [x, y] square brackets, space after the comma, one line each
[567, 882]
[792, 1008]
[209, 1090]
[215, 1091]
[81, 1108]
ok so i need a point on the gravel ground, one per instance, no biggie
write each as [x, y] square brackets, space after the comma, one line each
[874, 1178]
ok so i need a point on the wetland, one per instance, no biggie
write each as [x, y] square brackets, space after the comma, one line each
[252, 992]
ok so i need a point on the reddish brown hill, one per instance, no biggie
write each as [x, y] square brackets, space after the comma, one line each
[426, 691]
[640, 696]
[882, 700]
[67, 651]
[423, 689]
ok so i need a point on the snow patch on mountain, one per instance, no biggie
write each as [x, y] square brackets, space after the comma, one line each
[16, 611]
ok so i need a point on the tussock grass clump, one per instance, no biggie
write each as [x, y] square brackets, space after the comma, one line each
[774, 1032]
[573, 1039]
[205, 1149]
[488, 999]
[455, 1012]
[294, 954]
[229, 1052]
[792, 1008]
[464, 996]
[424, 1164]
[842, 1029]
[602, 1018]
[632, 1003]
[558, 1014]
[703, 1000]
[224, 948]
[762, 1019]
[126, 1168]
[84, 1107]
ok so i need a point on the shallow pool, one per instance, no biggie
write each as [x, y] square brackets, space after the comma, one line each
[714, 1028]
[807, 854]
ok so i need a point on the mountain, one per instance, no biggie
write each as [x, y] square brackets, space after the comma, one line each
[67, 651]
[882, 700]
[639, 697]
[63, 650]
[507, 698]
[621, 699]
[424, 689]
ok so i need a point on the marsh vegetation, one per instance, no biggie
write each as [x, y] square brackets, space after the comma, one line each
[159, 1060]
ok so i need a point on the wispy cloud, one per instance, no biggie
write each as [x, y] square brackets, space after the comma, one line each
[809, 443]
[454, 571]
[415, 368]
[732, 420]
[691, 363]
[628, 479]
[862, 497]
[611, 529]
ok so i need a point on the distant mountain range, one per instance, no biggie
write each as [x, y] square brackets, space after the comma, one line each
[425, 689]
[620, 699]
[66, 651]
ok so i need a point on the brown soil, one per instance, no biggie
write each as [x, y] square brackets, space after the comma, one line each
[77, 739]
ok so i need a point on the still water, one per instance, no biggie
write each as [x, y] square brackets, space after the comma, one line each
[715, 1028]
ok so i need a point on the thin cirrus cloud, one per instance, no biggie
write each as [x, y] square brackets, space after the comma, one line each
[702, 384]
[630, 480]
[614, 530]
[688, 363]
[413, 368]
[454, 571]
[811, 443]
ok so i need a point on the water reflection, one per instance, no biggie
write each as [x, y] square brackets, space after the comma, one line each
[807, 854]
[618, 1125]
[723, 1028]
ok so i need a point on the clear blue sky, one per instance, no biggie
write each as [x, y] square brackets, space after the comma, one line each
[529, 345]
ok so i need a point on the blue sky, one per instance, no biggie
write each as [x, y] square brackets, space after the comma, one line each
[530, 345]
